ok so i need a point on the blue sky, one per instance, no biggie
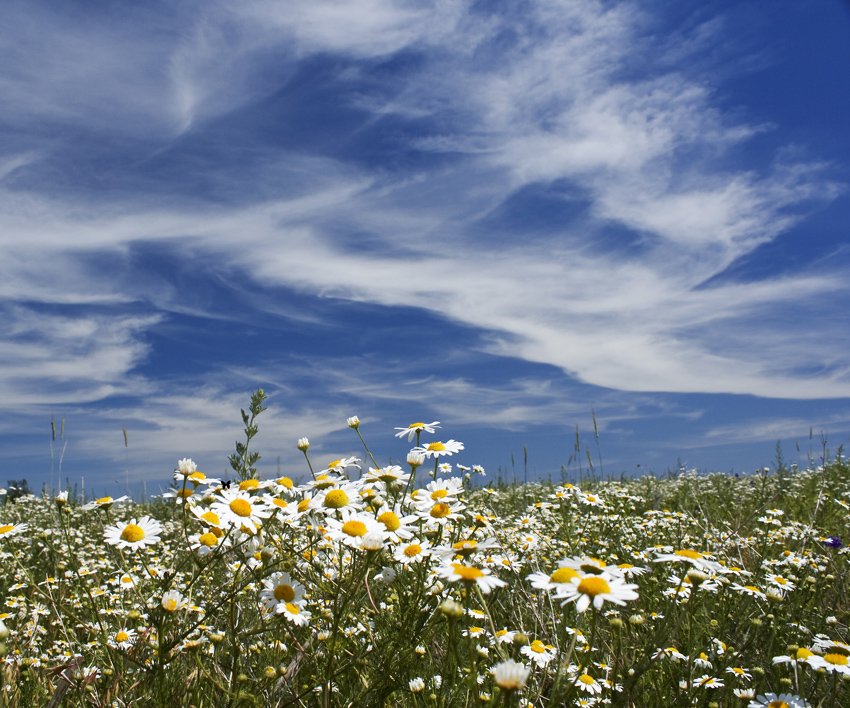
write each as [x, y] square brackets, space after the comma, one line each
[503, 216]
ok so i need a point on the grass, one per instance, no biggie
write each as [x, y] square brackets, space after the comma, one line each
[363, 587]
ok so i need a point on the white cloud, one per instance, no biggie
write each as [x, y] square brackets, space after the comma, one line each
[565, 93]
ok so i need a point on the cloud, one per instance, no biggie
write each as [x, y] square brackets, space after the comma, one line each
[453, 113]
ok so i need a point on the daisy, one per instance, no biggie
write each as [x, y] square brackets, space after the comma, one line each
[239, 509]
[389, 475]
[510, 675]
[440, 449]
[470, 575]
[293, 613]
[205, 543]
[695, 558]
[123, 639]
[538, 652]
[707, 681]
[398, 526]
[412, 551]
[411, 430]
[738, 672]
[353, 530]
[103, 503]
[589, 684]
[185, 467]
[785, 700]
[7, 530]
[173, 600]
[596, 589]
[279, 589]
[135, 534]
[339, 466]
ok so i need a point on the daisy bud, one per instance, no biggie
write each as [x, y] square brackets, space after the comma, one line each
[353, 422]
[303, 444]
[415, 459]
[416, 685]
[510, 675]
[451, 609]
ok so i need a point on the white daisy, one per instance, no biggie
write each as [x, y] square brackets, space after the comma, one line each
[134, 534]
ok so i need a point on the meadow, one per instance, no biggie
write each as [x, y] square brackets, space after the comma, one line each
[355, 582]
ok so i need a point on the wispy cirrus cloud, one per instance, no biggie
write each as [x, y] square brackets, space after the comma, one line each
[400, 155]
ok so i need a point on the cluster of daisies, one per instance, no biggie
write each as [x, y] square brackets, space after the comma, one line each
[536, 595]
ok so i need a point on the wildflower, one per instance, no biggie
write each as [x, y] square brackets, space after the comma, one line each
[415, 459]
[7, 530]
[738, 672]
[294, 613]
[135, 534]
[173, 600]
[685, 555]
[538, 652]
[596, 589]
[588, 684]
[510, 675]
[279, 589]
[414, 428]
[771, 700]
[416, 685]
[353, 422]
[707, 681]
[412, 551]
[440, 449]
[103, 503]
[833, 542]
[123, 639]
[470, 575]
[303, 444]
[240, 509]
[186, 467]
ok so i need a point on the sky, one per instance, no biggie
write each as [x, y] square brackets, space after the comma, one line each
[514, 218]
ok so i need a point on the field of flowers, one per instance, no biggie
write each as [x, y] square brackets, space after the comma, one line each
[356, 583]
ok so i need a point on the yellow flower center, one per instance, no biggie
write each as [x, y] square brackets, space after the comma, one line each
[122, 637]
[5, 528]
[132, 533]
[439, 494]
[751, 588]
[587, 680]
[467, 573]
[279, 503]
[537, 647]
[413, 550]
[336, 499]
[594, 586]
[440, 510]
[248, 484]
[803, 653]
[284, 592]
[170, 604]
[686, 553]
[286, 482]
[184, 493]
[414, 426]
[241, 507]
[836, 659]
[436, 447]
[197, 477]
[104, 500]
[778, 704]
[390, 521]
[353, 527]
[211, 518]
[292, 609]
[303, 505]
[563, 575]
[208, 539]
[465, 548]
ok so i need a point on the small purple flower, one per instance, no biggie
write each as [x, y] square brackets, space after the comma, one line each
[833, 542]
